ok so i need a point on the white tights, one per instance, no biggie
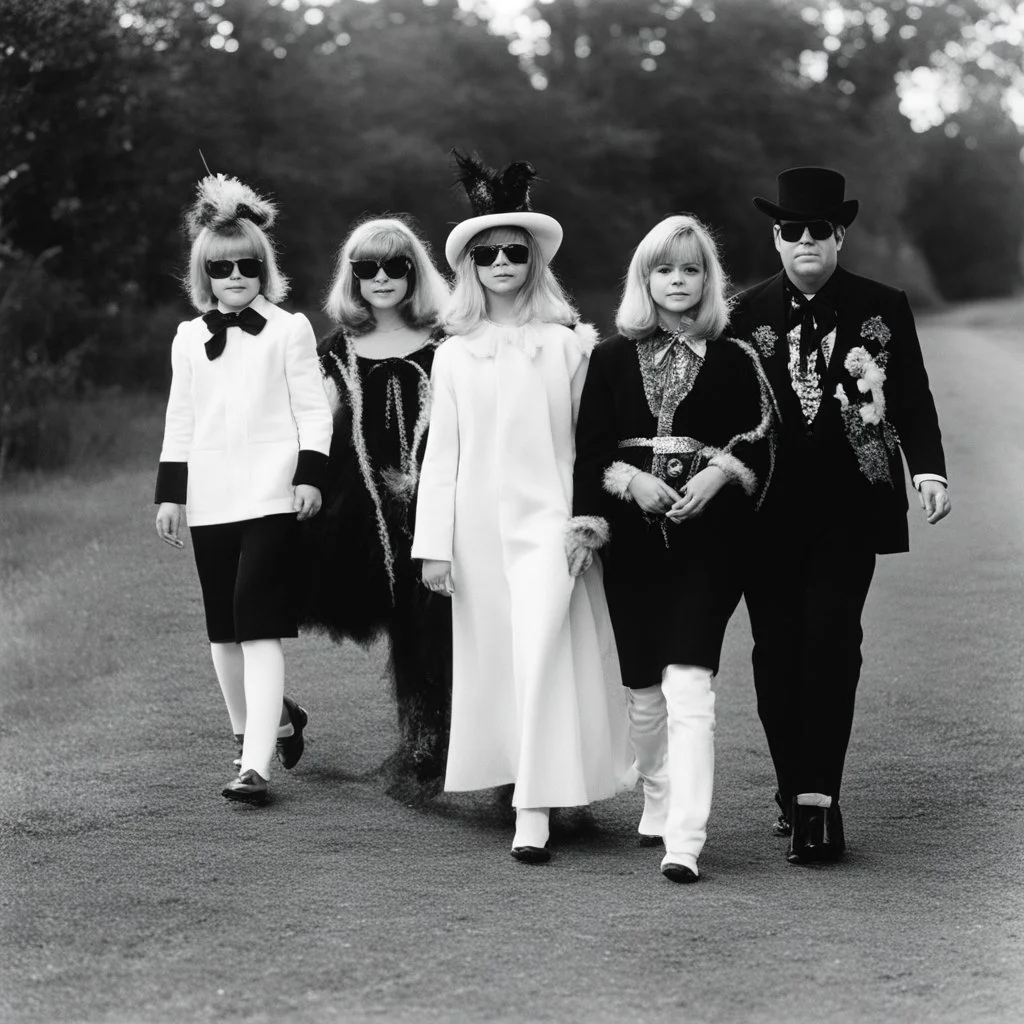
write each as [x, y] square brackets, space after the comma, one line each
[251, 677]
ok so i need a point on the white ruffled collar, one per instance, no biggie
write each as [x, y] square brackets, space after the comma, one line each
[483, 342]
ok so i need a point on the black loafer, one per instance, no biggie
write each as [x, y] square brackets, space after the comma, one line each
[249, 788]
[290, 748]
[646, 840]
[531, 854]
[679, 873]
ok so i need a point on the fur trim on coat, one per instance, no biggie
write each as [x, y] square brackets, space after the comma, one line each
[617, 478]
[733, 469]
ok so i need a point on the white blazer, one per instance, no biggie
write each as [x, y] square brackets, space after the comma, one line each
[239, 421]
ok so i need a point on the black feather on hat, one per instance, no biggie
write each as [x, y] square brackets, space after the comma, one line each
[491, 191]
[500, 198]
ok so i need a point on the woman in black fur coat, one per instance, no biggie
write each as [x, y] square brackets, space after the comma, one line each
[361, 583]
[673, 450]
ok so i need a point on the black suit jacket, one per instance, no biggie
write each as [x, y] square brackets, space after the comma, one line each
[841, 470]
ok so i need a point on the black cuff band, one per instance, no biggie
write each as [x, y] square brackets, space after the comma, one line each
[312, 469]
[171, 483]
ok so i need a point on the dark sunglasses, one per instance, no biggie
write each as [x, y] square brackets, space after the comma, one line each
[485, 255]
[395, 267]
[219, 269]
[794, 230]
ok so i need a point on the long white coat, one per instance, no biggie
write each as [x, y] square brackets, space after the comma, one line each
[239, 420]
[536, 697]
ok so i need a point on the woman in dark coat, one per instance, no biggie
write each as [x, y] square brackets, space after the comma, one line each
[361, 582]
[673, 451]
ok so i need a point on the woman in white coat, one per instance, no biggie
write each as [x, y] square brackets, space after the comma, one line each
[534, 698]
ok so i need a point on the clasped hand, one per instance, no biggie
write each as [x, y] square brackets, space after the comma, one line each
[655, 496]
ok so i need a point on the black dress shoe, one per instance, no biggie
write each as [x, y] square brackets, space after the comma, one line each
[531, 854]
[679, 873]
[290, 748]
[817, 834]
[649, 840]
[249, 788]
[783, 825]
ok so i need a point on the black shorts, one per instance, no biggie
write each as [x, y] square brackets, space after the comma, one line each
[247, 572]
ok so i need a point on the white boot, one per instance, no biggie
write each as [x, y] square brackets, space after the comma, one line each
[648, 734]
[690, 703]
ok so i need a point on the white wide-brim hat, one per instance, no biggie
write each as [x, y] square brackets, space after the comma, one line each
[546, 230]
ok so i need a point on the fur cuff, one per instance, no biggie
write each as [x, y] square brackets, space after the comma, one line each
[586, 336]
[735, 470]
[583, 536]
[617, 478]
[587, 531]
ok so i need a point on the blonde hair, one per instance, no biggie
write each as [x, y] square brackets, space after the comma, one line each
[540, 298]
[381, 239]
[236, 240]
[678, 239]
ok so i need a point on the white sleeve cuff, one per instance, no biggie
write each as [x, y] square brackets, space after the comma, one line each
[919, 478]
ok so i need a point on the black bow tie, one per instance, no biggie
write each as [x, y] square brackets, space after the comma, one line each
[248, 319]
[816, 317]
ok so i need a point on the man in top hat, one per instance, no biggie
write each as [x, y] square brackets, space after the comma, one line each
[843, 358]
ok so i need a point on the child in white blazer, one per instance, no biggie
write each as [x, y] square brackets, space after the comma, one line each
[534, 693]
[246, 441]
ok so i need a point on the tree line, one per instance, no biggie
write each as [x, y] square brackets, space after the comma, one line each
[628, 110]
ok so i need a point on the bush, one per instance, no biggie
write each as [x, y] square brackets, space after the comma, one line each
[44, 335]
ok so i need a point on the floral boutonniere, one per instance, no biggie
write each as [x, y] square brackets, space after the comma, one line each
[870, 377]
[765, 339]
[867, 429]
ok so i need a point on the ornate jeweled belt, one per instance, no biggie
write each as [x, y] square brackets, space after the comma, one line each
[664, 445]
[668, 468]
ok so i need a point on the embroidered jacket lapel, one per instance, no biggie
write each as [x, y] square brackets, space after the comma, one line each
[769, 309]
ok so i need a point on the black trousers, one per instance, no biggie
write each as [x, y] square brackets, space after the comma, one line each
[247, 573]
[805, 596]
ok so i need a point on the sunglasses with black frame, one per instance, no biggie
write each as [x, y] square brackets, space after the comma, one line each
[248, 266]
[485, 255]
[793, 231]
[395, 267]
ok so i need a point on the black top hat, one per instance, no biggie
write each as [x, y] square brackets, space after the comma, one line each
[810, 193]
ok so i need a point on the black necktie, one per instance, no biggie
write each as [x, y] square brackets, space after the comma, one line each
[817, 318]
[248, 319]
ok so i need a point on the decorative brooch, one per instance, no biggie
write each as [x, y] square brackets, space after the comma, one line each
[765, 339]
